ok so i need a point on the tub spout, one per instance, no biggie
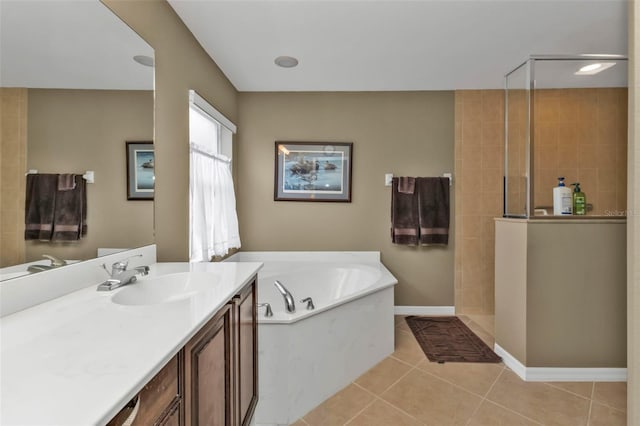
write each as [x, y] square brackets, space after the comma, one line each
[288, 298]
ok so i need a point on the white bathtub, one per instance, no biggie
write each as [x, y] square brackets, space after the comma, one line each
[307, 356]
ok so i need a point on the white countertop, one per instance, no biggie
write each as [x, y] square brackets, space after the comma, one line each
[78, 359]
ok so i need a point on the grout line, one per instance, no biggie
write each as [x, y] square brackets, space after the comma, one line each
[414, 367]
[514, 412]
[484, 398]
[487, 399]
[593, 388]
[384, 401]
[568, 391]
[369, 404]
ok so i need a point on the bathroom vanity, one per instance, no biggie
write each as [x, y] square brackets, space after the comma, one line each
[179, 346]
[560, 292]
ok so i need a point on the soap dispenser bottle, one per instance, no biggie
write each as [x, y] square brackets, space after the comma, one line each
[562, 199]
[579, 200]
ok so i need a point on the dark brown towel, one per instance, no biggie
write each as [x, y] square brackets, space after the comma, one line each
[433, 209]
[404, 216]
[406, 185]
[70, 215]
[39, 206]
[66, 182]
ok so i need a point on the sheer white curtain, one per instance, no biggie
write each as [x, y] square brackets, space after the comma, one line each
[213, 218]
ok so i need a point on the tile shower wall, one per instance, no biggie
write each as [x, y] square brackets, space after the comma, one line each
[479, 130]
[581, 134]
[13, 164]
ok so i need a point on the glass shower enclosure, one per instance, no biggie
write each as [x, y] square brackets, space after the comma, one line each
[566, 116]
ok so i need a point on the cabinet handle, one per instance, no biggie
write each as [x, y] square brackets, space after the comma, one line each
[132, 417]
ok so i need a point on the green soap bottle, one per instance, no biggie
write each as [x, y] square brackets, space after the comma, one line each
[579, 200]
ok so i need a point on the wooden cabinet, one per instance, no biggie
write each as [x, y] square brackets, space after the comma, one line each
[159, 402]
[209, 368]
[247, 353]
[212, 381]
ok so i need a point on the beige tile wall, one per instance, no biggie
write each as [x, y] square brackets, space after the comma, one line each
[581, 134]
[479, 135]
[578, 133]
[13, 164]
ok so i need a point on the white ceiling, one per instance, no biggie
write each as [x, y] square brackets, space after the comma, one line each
[364, 45]
[72, 44]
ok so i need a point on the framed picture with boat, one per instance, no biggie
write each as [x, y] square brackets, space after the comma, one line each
[313, 171]
[140, 170]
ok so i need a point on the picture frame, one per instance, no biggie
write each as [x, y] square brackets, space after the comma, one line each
[313, 171]
[140, 170]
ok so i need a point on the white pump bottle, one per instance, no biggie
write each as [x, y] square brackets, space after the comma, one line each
[562, 199]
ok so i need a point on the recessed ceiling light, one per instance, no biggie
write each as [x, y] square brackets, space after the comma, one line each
[592, 69]
[145, 60]
[286, 61]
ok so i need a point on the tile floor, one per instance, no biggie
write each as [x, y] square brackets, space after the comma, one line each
[407, 389]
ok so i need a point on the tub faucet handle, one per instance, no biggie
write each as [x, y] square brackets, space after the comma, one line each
[309, 302]
[268, 313]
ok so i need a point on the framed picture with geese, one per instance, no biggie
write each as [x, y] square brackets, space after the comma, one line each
[313, 171]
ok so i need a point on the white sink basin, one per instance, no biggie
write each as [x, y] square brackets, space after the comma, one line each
[166, 288]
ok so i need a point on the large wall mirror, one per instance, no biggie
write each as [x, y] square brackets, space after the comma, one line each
[71, 96]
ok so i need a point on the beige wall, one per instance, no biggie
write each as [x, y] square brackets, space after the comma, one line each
[13, 164]
[405, 133]
[561, 292]
[180, 64]
[479, 153]
[71, 131]
[633, 230]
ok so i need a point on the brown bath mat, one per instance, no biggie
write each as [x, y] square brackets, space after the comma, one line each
[447, 339]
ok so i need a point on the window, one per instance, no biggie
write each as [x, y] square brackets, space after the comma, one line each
[213, 221]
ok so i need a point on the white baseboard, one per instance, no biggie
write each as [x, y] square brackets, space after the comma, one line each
[560, 374]
[424, 310]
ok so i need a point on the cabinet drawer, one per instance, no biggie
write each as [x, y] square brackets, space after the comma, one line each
[156, 398]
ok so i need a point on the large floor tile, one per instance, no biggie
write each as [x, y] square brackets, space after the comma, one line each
[481, 333]
[381, 413]
[432, 400]
[402, 325]
[474, 377]
[383, 375]
[613, 394]
[489, 414]
[399, 319]
[579, 388]
[539, 401]
[341, 407]
[606, 416]
[485, 322]
[407, 348]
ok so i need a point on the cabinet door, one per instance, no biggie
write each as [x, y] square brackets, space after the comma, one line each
[247, 344]
[159, 397]
[208, 368]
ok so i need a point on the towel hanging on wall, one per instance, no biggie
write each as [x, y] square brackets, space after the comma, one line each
[55, 207]
[420, 210]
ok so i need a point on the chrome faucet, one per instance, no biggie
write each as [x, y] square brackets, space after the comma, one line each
[290, 305]
[55, 262]
[120, 275]
[268, 312]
